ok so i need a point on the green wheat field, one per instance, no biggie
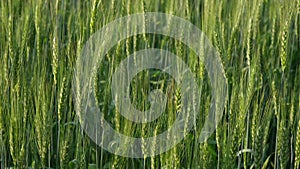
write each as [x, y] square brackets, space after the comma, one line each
[259, 45]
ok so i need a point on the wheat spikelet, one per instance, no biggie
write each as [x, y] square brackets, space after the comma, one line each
[127, 29]
[60, 97]
[283, 44]
[175, 158]
[154, 147]
[1, 129]
[45, 131]
[274, 96]
[144, 10]
[258, 149]
[39, 131]
[266, 122]
[55, 48]
[25, 34]
[254, 125]
[204, 156]
[77, 87]
[69, 51]
[63, 153]
[249, 46]
[178, 100]
[232, 141]
[3, 86]
[117, 128]
[297, 146]
[12, 137]
[256, 17]
[10, 38]
[144, 148]
[54, 56]
[37, 28]
[24, 125]
[297, 18]
[187, 9]
[117, 116]
[283, 145]
[93, 17]
[5, 71]
[273, 33]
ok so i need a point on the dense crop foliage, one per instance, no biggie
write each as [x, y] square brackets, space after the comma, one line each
[259, 45]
